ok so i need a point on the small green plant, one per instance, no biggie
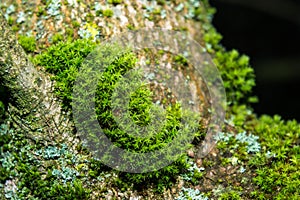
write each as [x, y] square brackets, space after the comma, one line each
[41, 11]
[28, 43]
[76, 24]
[5, 138]
[2, 110]
[107, 13]
[10, 21]
[115, 2]
[237, 75]
[161, 2]
[15, 28]
[232, 195]
[57, 38]
[130, 27]
[193, 174]
[180, 59]
[70, 33]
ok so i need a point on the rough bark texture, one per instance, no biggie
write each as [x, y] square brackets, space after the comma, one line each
[33, 106]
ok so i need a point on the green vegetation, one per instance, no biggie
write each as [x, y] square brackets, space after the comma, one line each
[278, 169]
[24, 166]
[2, 110]
[28, 43]
[107, 13]
[64, 60]
[60, 61]
[57, 38]
[237, 75]
[236, 72]
[230, 196]
[264, 151]
[115, 2]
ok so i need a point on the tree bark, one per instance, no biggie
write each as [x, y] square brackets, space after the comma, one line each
[32, 104]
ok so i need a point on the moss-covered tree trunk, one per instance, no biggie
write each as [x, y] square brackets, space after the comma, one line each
[256, 158]
[32, 104]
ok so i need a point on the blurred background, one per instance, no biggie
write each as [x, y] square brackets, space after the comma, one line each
[269, 32]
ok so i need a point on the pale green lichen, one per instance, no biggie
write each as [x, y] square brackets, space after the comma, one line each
[66, 174]
[54, 7]
[253, 146]
[190, 194]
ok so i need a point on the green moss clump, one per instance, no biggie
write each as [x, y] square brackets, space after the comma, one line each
[107, 13]
[28, 43]
[57, 38]
[64, 61]
[278, 167]
[115, 2]
[5, 138]
[2, 110]
[232, 195]
[48, 187]
[235, 70]
[61, 60]
[237, 75]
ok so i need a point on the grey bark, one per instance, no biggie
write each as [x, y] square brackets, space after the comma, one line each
[33, 106]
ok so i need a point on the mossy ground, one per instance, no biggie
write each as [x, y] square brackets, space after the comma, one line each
[256, 158]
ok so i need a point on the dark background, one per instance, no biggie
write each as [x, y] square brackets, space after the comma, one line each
[268, 31]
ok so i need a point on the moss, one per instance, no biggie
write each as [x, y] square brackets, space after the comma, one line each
[76, 24]
[232, 195]
[278, 170]
[28, 43]
[41, 11]
[10, 21]
[57, 38]
[156, 11]
[161, 2]
[237, 75]
[60, 61]
[15, 28]
[89, 17]
[107, 13]
[180, 59]
[70, 34]
[115, 2]
[131, 27]
[32, 183]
